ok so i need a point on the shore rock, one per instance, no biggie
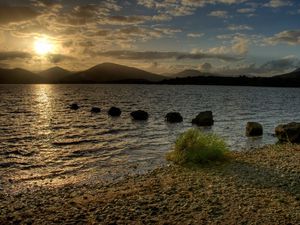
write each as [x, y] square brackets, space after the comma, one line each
[173, 117]
[139, 115]
[74, 106]
[254, 129]
[95, 110]
[204, 119]
[114, 111]
[288, 132]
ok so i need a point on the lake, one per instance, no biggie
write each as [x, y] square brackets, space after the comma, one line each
[44, 143]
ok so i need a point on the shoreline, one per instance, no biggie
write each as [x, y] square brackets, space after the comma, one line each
[259, 186]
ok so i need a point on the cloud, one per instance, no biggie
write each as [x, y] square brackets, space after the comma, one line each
[176, 8]
[155, 55]
[206, 67]
[239, 46]
[125, 20]
[234, 27]
[219, 13]
[195, 35]
[291, 37]
[272, 67]
[246, 10]
[12, 14]
[278, 3]
[14, 55]
[58, 58]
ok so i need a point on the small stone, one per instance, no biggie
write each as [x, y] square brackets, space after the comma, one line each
[74, 106]
[114, 111]
[95, 110]
[204, 119]
[254, 129]
[174, 117]
[139, 115]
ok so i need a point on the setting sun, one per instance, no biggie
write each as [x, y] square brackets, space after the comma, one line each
[43, 46]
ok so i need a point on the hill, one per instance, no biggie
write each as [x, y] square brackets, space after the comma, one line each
[19, 76]
[295, 75]
[54, 74]
[110, 73]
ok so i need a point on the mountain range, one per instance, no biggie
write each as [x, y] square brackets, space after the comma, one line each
[115, 73]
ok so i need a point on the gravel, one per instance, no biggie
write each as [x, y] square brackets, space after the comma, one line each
[261, 186]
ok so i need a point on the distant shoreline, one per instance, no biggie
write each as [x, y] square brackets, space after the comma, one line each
[110, 73]
[260, 186]
[161, 84]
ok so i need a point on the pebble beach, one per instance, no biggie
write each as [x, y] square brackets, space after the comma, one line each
[260, 186]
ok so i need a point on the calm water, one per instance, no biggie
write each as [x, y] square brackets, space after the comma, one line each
[43, 142]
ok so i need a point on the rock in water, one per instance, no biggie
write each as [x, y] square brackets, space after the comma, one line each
[204, 119]
[114, 111]
[288, 132]
[174, 117]
[254, 129]
[95, 110]
[139, 115]
[74, 106]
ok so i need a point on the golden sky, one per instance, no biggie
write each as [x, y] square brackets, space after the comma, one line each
[162, 36]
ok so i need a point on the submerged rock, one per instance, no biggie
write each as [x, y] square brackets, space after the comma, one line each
[95, 110]
[288, 132]
[254, 129]
[204, 119]
[139, 115]
[74, 106]
[174, 117]
[114, 111]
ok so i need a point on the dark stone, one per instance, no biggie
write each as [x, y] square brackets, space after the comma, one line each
[254, 129]
[114, 111]
[74, 106]
[139, 115]
[204, 119]
[288, 132]
[95, 110]
[174, 117]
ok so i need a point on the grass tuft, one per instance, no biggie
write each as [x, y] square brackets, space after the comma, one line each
[195, 146]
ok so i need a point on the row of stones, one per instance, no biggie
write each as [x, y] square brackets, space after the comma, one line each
[285, 133]
[202, 119]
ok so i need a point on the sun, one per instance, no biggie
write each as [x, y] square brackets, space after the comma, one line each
[43, 46]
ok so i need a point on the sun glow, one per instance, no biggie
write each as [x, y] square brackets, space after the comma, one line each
[43, 46]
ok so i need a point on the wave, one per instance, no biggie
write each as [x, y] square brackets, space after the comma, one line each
[64, 143]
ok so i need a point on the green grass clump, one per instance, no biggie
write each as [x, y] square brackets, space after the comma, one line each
[194, 146]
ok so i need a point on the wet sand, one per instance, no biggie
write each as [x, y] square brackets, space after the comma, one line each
[261, 186]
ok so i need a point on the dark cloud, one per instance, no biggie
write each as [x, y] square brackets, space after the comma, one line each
[14, 55]
[132, 55]
[206, 67]
[58, 58]
[290, 37]
[125, 20]
[11, 14]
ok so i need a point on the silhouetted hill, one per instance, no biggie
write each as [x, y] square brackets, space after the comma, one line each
[191, 73]
[109, 73]
[18, 76]
[295, 75]
[297, 70]
[114, 73]
[54, 74]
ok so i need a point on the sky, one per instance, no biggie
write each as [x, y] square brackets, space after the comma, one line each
[231, 37]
